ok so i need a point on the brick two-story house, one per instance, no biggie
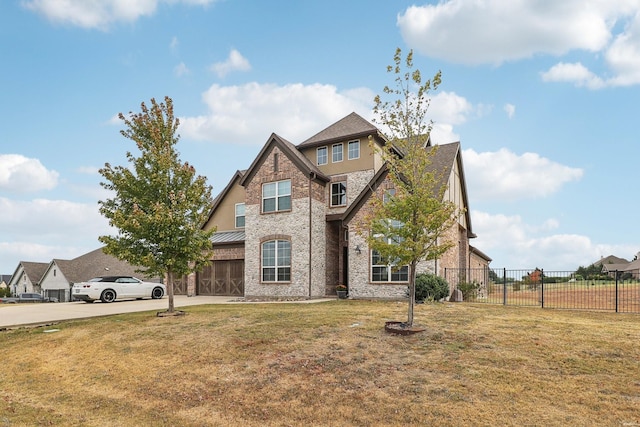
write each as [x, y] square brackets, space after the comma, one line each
[287, 227]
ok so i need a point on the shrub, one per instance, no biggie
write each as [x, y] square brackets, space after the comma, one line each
[431, 287]
[469, 290]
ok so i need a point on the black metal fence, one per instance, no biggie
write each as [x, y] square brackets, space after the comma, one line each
[547, 289]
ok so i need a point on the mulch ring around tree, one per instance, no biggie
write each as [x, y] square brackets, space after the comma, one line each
[171, 313]
[402, 328]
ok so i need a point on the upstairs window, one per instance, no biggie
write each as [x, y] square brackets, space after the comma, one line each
[239, 215]
[336, 153]
[339, 194]
[354, 150]
[276, 196]
[276, 261]
[322, 156]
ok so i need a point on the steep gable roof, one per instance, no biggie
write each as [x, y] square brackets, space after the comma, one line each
[611, 259]
[350, 127]
[34, 270]
[443, 162]
[296, 157]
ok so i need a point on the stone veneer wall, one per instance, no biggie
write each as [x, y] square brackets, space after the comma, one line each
[356, 182]
[307, 199]
[360, 285]
[292, 226]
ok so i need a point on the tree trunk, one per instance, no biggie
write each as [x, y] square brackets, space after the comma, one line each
[412, 292]
[170, 289]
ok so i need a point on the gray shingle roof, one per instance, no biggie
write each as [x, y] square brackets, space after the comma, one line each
[34, 270]
[351, 126]
[94, 264]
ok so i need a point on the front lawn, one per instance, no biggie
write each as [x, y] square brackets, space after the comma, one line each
[326, 364]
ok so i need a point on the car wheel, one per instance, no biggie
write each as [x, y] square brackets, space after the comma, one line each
[157, 293]
[108, 296]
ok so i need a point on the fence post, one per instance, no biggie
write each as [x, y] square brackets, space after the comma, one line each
[504, 286]
[542, 287]
[616, 291]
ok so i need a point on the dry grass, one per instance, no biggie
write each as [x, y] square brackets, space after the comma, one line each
[326, 364]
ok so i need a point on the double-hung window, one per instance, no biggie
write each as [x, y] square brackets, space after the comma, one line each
[276, 196]
[239, 215]
[339, 194]
[322, 156]
[386, 269]
[336, 153]
[353, 150]
[276, 261]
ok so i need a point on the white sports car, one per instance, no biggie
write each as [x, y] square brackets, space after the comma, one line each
[110, 288]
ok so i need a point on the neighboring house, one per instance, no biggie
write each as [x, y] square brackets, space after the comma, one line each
[60, 275]
[287, 227]
[26, 277]
[612, 264]
[4, 281]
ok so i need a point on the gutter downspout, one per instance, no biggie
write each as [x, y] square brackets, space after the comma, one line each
[312, 175]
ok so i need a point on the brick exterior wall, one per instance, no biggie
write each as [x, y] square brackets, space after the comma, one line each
[304, 226]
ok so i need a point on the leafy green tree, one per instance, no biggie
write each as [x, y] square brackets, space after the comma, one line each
[409, 226]
[159, 204]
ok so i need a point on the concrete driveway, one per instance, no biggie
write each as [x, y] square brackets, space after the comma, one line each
[14, 315]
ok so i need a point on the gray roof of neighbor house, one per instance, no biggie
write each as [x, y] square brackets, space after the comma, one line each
[6, 278]
[611, 259]
[95, 264]
[34, 270]
[351, 126]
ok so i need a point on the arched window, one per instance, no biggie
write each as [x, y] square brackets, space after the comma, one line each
[276, 261]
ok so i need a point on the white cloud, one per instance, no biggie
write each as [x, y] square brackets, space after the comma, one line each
[610, 30]
[181, 70]
[249, 113]
[576, 73]
[514, 244]
[504, 175]
[22, 174]
[173, 46]
[43, 229]
[518, 29]
[99, 14]
[235, 62]
[510, 109]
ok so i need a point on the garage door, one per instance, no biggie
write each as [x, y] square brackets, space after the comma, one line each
[222, 278]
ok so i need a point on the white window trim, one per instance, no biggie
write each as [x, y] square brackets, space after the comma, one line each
[390, 272]
[236, 216]
[349, 151]
[276, 266]
[333, 160]
[326, 155]
[277, 197]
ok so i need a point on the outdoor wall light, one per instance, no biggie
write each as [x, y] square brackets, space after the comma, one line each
[358, 250]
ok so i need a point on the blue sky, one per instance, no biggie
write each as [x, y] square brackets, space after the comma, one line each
[541, 94]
